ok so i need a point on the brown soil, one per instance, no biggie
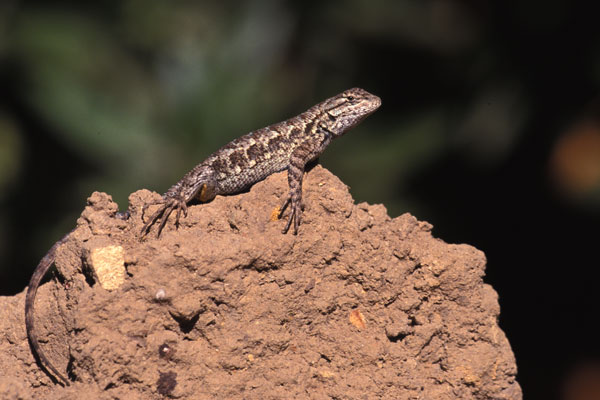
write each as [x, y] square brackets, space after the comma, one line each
[356, 306]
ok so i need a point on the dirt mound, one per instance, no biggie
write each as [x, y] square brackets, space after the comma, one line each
[357, 305]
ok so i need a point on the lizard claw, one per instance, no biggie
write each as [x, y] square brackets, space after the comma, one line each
[295, 215]
[168, 205]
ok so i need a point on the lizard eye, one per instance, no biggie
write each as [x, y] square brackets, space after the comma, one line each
[351, 98]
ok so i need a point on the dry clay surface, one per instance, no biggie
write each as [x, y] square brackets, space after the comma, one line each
[356, 306]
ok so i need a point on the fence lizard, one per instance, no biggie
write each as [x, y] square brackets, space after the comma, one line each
[290, 145]
[287, 145]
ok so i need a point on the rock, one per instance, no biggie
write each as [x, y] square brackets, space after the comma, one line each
[357, 305]
[108, 266]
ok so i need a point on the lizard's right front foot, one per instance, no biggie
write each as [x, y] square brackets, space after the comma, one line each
[168, 205]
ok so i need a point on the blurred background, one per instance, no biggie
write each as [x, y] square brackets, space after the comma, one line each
[489, 129]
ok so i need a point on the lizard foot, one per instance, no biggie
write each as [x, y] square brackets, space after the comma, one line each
[295, 214]
[168, 205]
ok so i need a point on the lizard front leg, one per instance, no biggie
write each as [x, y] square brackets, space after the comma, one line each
[303, 154]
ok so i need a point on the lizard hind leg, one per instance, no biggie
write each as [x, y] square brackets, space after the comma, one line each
[168, 205]
[145, 207]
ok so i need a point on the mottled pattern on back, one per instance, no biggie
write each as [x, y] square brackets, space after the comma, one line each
[253, 157]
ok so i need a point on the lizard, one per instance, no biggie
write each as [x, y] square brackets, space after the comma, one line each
[288, 145]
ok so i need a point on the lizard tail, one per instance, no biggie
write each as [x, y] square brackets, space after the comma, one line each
[34, 283]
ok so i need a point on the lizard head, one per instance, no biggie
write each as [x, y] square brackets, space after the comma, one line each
[347, 109]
